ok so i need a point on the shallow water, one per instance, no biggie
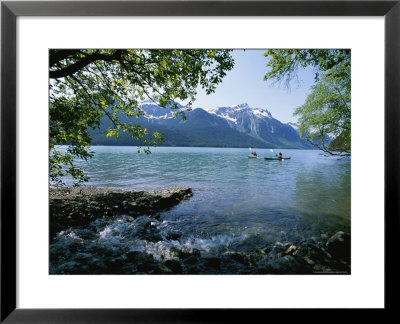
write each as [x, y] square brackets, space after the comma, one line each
[239, 204]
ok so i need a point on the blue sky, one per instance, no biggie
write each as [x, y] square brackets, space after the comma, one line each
[244, 83]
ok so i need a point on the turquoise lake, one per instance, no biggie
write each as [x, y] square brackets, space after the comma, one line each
[238, 203]
[232, 193]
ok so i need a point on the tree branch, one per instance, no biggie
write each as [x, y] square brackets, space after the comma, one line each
[56, 56]
[77, 66]
[94, 101]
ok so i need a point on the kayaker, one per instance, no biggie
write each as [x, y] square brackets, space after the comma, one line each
[254, 153]
[279, 155]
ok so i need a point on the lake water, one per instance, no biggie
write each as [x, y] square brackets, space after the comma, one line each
[238, 203]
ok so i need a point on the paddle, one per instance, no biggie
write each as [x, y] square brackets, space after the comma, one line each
[275, 154]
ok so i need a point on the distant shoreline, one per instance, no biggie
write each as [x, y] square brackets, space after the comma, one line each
[224, 147]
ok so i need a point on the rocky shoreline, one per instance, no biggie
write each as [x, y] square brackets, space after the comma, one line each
[78, 206]
[74, 213]
[331, 257]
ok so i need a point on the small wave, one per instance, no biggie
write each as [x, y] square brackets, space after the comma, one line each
[106, 242]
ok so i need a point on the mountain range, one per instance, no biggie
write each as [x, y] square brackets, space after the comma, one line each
[233, 126]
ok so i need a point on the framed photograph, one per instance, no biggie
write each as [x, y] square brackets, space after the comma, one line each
[180, 160]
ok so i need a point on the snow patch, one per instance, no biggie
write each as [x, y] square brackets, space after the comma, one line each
[259, 112]
[294, 126]
[232, 113]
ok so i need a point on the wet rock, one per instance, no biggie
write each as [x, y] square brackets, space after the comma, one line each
[193, 270]
[131, 256]
[136, 261]
[174, 236]
[263, 266]
[139, 257]
[339, 246]
[188, 251]
[284, 265]
[144, 258]
[192, 251]
[213, 262]
[239, 257]
[308, 260]
[174, 252]
[114, 266]
[145, 267]
[143, 224]
[146, 229]
[159, 268]
[153, 237]
[291, 249]
[251, 240]
[314, 258]
[242, 258]
[279, 249]
[190, 260]
[326, 253]
[174, 265]
[315, 252]
[263, 253]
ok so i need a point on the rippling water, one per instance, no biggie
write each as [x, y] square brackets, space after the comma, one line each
[238, 203]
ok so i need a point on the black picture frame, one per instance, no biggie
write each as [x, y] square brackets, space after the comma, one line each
[10, 10]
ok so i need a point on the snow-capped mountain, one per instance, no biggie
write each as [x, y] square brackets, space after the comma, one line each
[235, 113]
[233, 126]
[153, 110]
[259, 123]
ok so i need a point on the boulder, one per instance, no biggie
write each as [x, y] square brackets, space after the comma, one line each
[339, 246]
[174, 265]
[213, 262]
[174, 252]
[188, 251]
[291, 249]
[144, 262]
[242, 258]
[190, 260]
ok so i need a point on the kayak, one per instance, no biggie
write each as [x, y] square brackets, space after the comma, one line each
[253, 157]
[277, 159]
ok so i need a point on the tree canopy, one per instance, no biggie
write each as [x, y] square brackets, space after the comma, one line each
[326, 114]
[284, 64]
[325, 117]
[87, 85]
